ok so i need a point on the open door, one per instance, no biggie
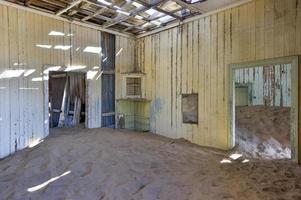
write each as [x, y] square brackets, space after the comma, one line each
[67, 99]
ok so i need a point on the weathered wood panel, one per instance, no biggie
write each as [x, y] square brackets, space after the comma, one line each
[89, 61]
[200, 51]
[124, 62]
[22, 58]
[26, 47]
[270, 86]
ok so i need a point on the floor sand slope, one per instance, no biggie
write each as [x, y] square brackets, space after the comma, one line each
[77, 164]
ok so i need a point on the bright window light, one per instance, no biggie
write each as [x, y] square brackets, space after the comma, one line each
[166, 18]
[11, 73]
[91, 74]
[156, 23]
[146, 25]
[95, 67]
[123, 12]
[119, 52]
[38, 141]
[37, 79]
[235, 156]
[28, 72]
[28, 88]
[138, 17]
[20, 64]
[151, 11]
[105, 2]
[138, 5]
[56, 33]
[195, 1]
[93, 50]
[71, 68]
[99, 75]
[105, 59]
[45, 46]
[225, 160]
[52, 68]
[63, 47]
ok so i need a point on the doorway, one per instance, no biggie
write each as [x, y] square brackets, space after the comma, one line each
[264, 108]
[67, 99]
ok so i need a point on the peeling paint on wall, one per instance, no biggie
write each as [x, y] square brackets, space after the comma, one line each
[270, 86]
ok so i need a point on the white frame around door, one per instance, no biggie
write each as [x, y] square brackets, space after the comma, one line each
[293, 60]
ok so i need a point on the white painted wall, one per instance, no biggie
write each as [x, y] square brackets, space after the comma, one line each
[25, 48]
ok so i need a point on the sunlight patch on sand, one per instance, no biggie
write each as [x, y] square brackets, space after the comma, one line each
[42, 185]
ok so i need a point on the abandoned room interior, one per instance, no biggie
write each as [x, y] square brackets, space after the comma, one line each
[150, 99]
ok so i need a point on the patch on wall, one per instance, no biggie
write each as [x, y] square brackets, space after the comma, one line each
[190, 108]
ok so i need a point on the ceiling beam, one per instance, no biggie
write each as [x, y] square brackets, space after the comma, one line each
[68, 7]
[197, 17]
[189, 6]
[53, 16]
[135, 13]
[148, 20]
[97, 14]
[103, 9]
[83, 6]
[28, 2]
[94, 14]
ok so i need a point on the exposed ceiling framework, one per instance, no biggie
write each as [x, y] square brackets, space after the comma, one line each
[126, 16]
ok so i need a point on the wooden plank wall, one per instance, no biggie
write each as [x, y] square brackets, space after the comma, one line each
[21, 105]
[82, 38]
[23, 115]
[194, 58]
[270, 86]
[124, 62]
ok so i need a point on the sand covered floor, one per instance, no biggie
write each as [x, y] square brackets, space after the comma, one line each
[263, 132]
[88, 164]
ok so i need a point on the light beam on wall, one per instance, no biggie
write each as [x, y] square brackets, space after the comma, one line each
[63, 47]
[75, 67]
[45, 46]
[56, 33]
[90, 49]
[11, 73]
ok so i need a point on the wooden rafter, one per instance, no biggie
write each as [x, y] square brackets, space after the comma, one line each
[188, 6]
[69, 7]
[146, 7]
[95, 12]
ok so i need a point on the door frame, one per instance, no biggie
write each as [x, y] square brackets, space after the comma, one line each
[46, 93]
[293, 60]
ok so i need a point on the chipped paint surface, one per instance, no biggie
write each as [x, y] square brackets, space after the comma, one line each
[270, 86]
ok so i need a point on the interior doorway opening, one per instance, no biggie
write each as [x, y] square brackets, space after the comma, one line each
[67, 99]
[264, 114]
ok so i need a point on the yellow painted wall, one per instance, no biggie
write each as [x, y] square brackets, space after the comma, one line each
[194, 58]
